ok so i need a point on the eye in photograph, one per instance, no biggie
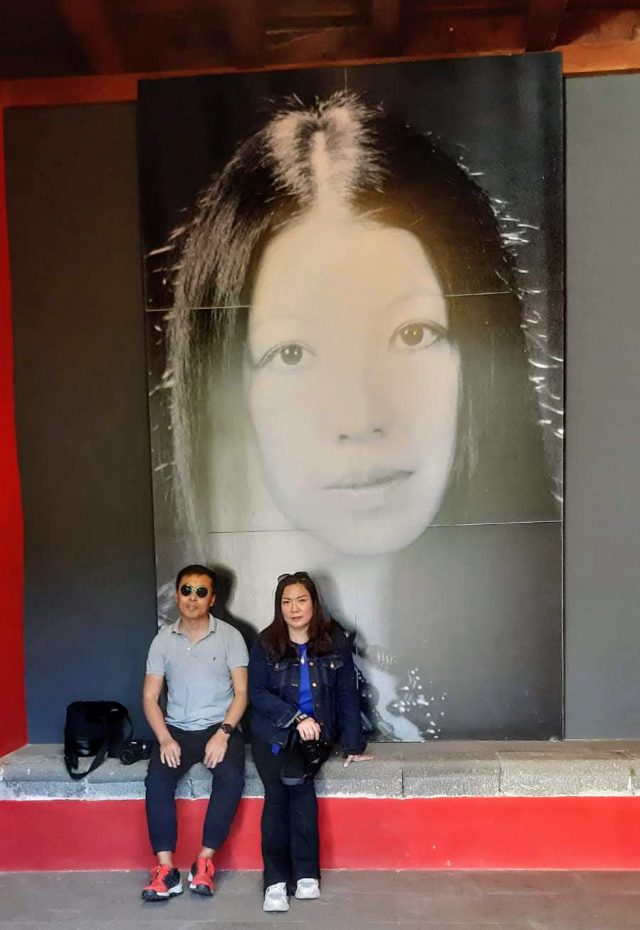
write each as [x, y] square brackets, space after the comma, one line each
[415, 336]
[287, 355]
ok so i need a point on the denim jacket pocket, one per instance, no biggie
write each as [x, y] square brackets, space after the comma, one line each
[330, 663]
[284, 675]
[328, 667]
[281, 665]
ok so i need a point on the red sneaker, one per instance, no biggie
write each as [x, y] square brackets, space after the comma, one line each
[165, 881]
[201, 876]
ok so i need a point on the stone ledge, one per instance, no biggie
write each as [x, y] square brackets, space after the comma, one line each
[399, 770]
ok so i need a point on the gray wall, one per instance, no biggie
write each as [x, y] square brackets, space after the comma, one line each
[81, 407]
[602, 629]
[82, 417]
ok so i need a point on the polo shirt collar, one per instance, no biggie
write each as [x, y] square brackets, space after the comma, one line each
[175, 627]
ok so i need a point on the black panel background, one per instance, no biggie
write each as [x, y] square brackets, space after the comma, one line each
[81, 408]
[494, 648]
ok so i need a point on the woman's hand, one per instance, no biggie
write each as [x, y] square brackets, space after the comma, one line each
[308, 728]
[356, 758]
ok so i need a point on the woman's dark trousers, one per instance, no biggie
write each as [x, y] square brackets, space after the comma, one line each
[226, 789]
[290, 844]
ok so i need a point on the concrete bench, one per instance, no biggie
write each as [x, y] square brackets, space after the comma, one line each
[571, 804]
[410, 770]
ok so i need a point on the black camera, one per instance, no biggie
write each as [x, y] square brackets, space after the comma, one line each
[315, 753]
[135, 751]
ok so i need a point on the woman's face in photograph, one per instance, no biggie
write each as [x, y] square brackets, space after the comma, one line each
[352, 382]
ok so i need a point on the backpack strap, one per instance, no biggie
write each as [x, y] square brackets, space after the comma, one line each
[71, 760]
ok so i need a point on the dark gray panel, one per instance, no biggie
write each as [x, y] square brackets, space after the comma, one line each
[81, 407]
[603, 399]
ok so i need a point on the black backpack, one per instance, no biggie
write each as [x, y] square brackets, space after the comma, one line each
[94, 728]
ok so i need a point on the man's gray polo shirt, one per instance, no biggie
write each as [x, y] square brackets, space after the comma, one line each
[198, 675]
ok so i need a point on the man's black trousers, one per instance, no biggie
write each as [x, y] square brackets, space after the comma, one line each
[226, 788]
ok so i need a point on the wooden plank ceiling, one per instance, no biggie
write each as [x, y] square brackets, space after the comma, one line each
[57, 38]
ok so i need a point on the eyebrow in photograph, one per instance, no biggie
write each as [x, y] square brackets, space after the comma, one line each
[421, 293]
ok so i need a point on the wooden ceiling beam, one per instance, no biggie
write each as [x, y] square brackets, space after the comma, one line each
[185, 36]
[385, 17]
[543, 21]
[246, 29]
[601, 58]
[385, 25]
[88, 21]
[450, 37]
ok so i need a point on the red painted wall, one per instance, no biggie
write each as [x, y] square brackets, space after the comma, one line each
[357, 833]
[13, 730]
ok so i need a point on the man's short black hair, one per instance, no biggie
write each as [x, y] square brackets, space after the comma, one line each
[196, 570]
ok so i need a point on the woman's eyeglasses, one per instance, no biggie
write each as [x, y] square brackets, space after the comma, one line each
[295, 575]
[200, 591]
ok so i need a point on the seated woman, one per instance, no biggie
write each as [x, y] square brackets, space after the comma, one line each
[301, 678]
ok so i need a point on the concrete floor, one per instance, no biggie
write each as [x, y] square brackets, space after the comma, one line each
[350, 901]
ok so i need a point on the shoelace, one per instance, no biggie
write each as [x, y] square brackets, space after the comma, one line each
[204, 868]
[159, 872]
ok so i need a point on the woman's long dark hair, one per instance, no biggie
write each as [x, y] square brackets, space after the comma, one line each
[387, 172]
[322, 628]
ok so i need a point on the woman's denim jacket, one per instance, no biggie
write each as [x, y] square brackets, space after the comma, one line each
[274, 688]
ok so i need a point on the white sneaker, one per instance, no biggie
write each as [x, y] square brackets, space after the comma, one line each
[275, 898]
[307, 889]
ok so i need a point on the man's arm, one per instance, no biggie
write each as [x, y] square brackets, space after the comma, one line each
[240, 684]
[216, 747]
[151, 691]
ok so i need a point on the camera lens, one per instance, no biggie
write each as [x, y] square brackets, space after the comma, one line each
[135, 751]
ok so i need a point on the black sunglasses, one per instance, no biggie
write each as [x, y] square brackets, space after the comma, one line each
[200, 591]
[295, 575]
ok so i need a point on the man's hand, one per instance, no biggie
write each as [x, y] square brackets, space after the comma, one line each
[216, 749]
[170, 752]
[309, 728]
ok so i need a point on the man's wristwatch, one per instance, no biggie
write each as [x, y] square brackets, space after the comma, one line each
[300, 717]
[227, 728]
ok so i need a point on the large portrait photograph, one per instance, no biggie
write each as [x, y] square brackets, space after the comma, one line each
[354, 310]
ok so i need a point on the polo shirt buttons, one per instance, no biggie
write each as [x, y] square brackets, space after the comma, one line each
[314, 684]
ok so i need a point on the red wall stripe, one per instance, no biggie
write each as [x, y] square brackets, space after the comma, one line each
[13, 728]
[357, 833]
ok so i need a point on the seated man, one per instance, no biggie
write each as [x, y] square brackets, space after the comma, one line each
[203, 661]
